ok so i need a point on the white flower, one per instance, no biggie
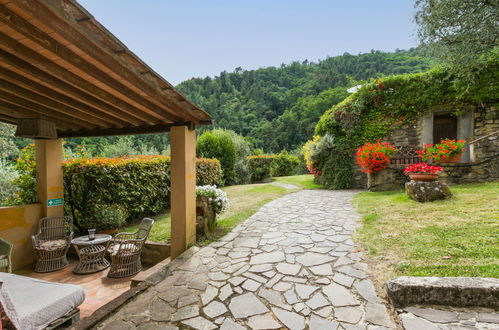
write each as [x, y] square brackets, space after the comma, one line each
[217, 197]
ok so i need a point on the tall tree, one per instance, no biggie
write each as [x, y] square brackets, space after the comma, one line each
[458, 32]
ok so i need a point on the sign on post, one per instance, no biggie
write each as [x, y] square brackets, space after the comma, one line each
[55, 202]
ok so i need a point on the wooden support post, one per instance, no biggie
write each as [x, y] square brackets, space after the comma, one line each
[183, 189]
[49, 180]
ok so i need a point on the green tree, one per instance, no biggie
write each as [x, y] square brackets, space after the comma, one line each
[218, 144]
[458, 32]
[8, 148]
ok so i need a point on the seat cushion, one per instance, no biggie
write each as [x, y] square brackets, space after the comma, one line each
[125, 248]
[51, 245]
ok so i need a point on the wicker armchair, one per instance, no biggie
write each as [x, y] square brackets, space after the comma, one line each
[125, 250]
[52, 243]
[5, 254]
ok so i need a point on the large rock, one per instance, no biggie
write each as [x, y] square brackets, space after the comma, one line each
[427, 191]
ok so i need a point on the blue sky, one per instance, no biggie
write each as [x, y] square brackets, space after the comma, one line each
[181, 39]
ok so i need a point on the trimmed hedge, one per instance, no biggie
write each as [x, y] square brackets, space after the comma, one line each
[208, 172]
[139, 184]
[259, 167]
[284, 164]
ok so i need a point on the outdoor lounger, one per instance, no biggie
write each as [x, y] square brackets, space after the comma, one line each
[35, 304]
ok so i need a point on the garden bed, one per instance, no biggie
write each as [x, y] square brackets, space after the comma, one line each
[455, 237]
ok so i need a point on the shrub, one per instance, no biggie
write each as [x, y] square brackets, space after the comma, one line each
[284, 164]
[7, 187]
[218, 144]
[336, 169]
[243, 150]
[316, 152]
[217, 197]
[105, 217]
[259, 167]
[208, 172]
[25, 183]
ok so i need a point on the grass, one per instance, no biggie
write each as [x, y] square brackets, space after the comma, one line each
[455, 237]
[244, 200]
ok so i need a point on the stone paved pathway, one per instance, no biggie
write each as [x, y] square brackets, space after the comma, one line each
[290, 265]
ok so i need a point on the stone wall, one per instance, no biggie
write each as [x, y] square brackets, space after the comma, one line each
[481, 163]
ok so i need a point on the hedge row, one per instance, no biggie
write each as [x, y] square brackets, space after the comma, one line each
[140, 184]
[259, 167]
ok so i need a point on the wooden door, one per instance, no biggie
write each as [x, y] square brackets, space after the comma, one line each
[444, 127]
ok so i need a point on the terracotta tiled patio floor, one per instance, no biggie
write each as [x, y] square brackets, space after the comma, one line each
[99, 289]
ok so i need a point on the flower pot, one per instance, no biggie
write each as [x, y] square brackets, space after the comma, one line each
[107, 231]
[452, 159]
[426, 177]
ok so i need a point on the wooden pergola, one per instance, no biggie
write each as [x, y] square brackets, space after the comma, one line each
[62, 74]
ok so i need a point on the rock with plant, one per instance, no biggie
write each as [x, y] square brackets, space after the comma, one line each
[217, 198]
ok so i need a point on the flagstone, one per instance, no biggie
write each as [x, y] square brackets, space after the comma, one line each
[269, 257]
[199, 323]
[291, 320]
[339, 295]
[246, 305]
[312, 258]
[265, 321]
[214, 309]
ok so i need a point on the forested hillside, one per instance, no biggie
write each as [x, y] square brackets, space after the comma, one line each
[278, 107]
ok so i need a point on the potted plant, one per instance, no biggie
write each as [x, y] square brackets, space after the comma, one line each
[447, 151]
[373, 157]
[106, 219]
[422, 172]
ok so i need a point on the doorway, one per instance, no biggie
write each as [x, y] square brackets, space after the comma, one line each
[444, 127]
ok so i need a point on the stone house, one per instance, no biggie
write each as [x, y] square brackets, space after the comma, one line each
[478, 125]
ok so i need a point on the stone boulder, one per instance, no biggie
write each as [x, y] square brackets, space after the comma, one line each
[427, 191]
[206, 219]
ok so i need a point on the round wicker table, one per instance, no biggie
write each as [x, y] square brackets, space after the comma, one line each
[91, 260]
[91, 253]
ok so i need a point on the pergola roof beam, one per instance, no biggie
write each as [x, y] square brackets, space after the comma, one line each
[122, 110]
[161, 128]
[19, 80]
[18, 112]
[51, 104]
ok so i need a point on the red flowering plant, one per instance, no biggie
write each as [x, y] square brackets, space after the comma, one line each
[422, 168]
[442, 151]
[373, 157]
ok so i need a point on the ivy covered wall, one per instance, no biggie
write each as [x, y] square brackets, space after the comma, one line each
[392, 103]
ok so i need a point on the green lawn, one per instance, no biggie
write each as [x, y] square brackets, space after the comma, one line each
[244, 200]
[456, 237]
